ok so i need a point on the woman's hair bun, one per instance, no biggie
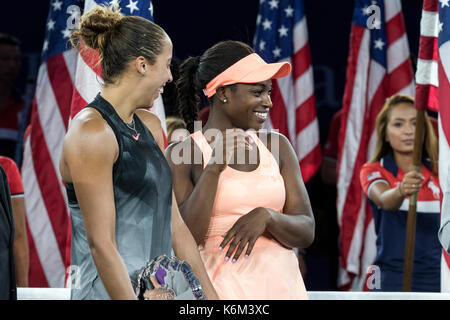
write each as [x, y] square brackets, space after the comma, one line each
[96, 25]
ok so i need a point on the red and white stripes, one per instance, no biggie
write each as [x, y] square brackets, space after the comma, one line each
[368, 85]
[45, 196]
[294, 111]
[433, 92]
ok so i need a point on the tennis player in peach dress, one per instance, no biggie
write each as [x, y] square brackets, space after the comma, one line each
[239, 188]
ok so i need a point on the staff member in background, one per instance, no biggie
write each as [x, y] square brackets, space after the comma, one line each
[11, 102]
[8, 289]
[176, 129]
[388, 180]
[21, 250]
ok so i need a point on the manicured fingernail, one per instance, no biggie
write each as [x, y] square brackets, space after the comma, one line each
[220, 248]
[226, 258]
[246, 256]
[233, 261]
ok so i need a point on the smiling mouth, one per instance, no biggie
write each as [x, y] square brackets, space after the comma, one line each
[261, 115]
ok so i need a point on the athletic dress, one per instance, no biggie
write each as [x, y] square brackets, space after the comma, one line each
[143, 201]
[390, 227]
[271, 271]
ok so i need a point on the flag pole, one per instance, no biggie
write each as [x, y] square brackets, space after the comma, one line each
[412, 212]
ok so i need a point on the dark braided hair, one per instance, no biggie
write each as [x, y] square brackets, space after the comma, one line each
[197, 72]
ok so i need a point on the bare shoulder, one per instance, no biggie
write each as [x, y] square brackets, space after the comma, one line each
[88, 124]
[149, 119]
[153, 124]
[273, 138]
[278, 144]
[88, 138]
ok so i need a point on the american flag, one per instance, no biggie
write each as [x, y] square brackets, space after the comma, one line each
[282, 35]
[433, 89]
[45, 196]
[66, 83]
[378, 67]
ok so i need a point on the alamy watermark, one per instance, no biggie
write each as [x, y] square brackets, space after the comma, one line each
[73, 21]
[374, 277]
[73, 277]
[374, 20]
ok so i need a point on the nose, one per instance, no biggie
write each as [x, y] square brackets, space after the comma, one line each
[170, 76]
[267, 101]
[410, 129]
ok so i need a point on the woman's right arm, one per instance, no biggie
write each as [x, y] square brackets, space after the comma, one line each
[391, 199]
[195, 202]
[89, 152]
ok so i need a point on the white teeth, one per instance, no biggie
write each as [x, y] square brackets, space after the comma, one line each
[161, 90]
[261, 114]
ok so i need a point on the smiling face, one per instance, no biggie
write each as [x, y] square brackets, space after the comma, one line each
[401, 127]
[158, 74]
[249, 104]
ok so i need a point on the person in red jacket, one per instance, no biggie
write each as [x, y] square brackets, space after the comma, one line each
[388, 180]
[21, 250]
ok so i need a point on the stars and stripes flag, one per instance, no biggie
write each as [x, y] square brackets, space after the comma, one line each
[433, 89]
[66, 83]
[378, 66]
[45, 196]
[282, 35]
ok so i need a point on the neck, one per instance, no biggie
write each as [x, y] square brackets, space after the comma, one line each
[218, 120]
[122, 99]
[403, 160]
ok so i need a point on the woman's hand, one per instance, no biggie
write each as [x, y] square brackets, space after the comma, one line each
[246, 230]
[157, 293]
[225, 145]
[411, 183]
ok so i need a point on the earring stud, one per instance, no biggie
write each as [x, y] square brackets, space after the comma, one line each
[225, 100]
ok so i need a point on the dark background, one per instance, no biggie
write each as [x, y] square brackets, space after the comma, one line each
[196, 25]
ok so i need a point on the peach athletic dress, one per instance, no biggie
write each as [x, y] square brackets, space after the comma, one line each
[271, 271]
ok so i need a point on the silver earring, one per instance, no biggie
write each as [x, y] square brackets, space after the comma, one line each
[225, 100]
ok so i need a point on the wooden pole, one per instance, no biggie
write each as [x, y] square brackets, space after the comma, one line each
[411, 220]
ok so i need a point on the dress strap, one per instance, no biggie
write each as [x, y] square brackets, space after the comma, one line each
[266, 157]
[204, 146]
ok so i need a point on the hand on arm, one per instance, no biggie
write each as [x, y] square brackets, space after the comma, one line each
[196, 202]
[293, 228]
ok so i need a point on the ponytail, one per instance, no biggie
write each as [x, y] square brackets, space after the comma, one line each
[188, 99]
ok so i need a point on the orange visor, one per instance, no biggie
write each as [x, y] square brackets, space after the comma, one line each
[251, 69]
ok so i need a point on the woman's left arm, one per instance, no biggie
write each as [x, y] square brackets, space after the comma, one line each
[183, 242]
[292, 228]
[295, 226]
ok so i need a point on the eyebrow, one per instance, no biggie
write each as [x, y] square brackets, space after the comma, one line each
[403, 119]
[261, 85]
